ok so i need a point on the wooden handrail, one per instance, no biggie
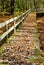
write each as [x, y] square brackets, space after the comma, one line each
[24, 15]
[11, 20]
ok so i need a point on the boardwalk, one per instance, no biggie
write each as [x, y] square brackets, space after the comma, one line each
[25, 45]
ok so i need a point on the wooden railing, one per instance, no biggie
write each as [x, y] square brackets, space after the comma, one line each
[19, 18]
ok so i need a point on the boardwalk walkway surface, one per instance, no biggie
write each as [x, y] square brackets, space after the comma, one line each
[24, 47]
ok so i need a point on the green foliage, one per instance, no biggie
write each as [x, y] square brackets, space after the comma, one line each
[10, 6]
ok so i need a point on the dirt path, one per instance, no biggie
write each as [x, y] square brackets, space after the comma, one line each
[24, 47]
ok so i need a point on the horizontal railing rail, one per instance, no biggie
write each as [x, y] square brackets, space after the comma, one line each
[23, 16]
[11, 20]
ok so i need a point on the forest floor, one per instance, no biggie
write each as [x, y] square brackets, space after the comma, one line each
[5, 17]
[24, 46]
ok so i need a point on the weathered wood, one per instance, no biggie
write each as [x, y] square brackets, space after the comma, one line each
[8, 31]
[11, 20]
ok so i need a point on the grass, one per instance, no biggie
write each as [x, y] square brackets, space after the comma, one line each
[0, 34]
[35, 58]
[3, 64]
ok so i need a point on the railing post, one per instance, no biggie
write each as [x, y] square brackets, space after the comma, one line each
[6, 30]
[14, 25]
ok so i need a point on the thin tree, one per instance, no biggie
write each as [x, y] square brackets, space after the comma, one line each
[35, 5]
[12, 6]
